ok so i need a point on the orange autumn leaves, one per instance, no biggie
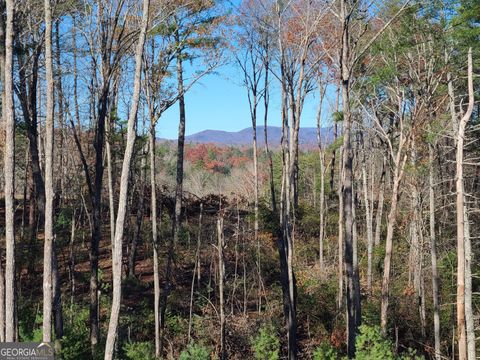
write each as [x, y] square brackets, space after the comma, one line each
[215, 158]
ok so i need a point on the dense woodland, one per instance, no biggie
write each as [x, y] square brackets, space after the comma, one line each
[117, 245]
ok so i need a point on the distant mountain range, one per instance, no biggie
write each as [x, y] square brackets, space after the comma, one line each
[307, 136]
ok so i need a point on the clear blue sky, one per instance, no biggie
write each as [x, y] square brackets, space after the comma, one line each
[219, 102]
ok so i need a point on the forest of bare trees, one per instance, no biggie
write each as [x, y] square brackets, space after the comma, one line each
[363, 246]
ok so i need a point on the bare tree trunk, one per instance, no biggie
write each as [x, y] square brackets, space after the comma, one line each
[255, 176]
[111, 204]
[286, 240]
[420, 280]
[244, 267]
[353, 310]
[156, 273]
[460, 205]
[9, 169]
[392, 216]
[266, 99]
[379, 214]
[341, 264]
[49, 191]
[399, 158]
[321, 237]
[57, 291]
[60, 115]
[221, 277]
[2, 304]
[199, 243]
[71, 267]
[122, 201]
[139, 219]
[196, 270]
[94, 185]
[192, 290]
[28, 101]
[109, 136]
[469, 314]
[416, 247]
[321, 154]
[57, 301]
[235, 275]
[97, 186]
[356, 274]
[369, 228]
[178, 192]
[412, 254]
[335, 136]
[288, 236]
[433, 252]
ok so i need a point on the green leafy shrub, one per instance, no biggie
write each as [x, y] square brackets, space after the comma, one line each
[76, 335]
[139, 351]
[325, 352]
[195, 352]
[371, 345]
[175, 324]
[266, 345]
[29, 330]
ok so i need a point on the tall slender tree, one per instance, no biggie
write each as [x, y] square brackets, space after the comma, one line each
[49, 191]
[460, 205]
[9, 165]
[117, 249]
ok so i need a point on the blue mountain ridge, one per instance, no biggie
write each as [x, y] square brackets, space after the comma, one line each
[307, 136]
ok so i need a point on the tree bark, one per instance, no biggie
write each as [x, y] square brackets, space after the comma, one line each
[2, 304]
[255, 191]
[173, 241]
[335, 136]
[392, 216]
[49, 191]
[139, 219]
[221, 277]
[369, 228]
[111, 203]
[469, 313]
[28, 88]
[57, 301]
[379, 214]
[9, 168]
[57, 292]
[60, 115]
[433, 252]
[284, 242]
[341, 248]
[266, 99]
[196, 270]
[156, 273]
[71, 266]
[460, 204]
[97, 186]
[123, 193]
[353, 304]
[321, 155]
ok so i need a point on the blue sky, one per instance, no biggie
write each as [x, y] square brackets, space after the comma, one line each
[219, 102]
